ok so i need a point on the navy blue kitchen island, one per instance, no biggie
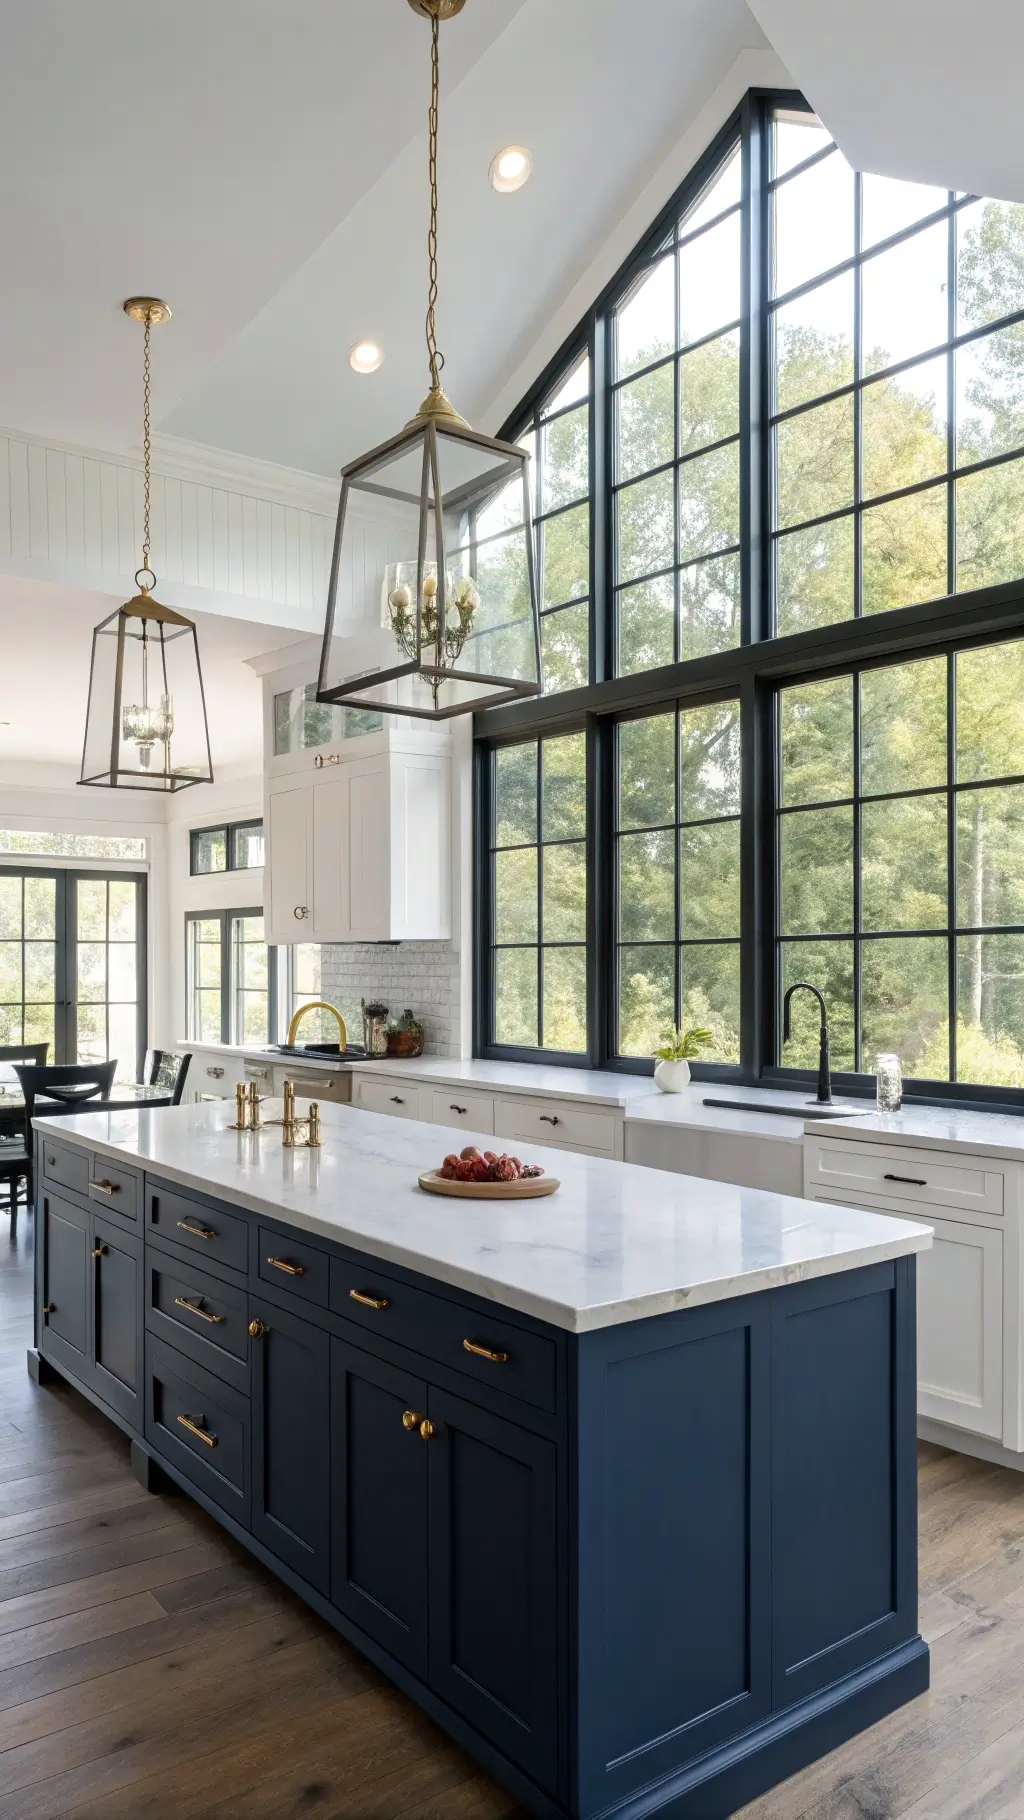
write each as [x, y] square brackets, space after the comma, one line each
[619, 1487]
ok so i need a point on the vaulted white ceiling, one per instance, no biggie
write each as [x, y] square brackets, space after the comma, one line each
[928, 90]
[261, 163]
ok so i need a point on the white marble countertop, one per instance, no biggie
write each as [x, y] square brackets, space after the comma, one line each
[687, 1109]
[997, 1134]
[617, 1242]
[591, 1085]
[261, 1052]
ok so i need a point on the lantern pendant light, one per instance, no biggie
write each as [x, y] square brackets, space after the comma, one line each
[145, 723]
[432, 605]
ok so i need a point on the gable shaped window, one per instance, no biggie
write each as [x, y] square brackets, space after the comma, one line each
[779, 496]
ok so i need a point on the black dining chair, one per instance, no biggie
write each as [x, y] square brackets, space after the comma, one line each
[58, 1091]
[167, 1069]
[14, 1157]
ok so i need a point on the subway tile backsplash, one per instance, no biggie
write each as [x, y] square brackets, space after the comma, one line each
[423, 975]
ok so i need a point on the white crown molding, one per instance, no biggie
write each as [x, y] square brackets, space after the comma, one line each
[212, 467]
[751, 69]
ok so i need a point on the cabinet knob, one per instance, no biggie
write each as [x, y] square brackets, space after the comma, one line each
[49, 1307]
[99, 1251]
[300, 911]
[411, 1420]
[427, 1430]
[256, 1330]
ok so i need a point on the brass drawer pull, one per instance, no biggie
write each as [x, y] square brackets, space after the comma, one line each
[257, 1330]
[367, 1301]
[198, 1232]
[916, 1181]
[484, 1352]
[105, 1187]
[411, 1420]
[200, 1433]
[550, 1118]
[216, 1320]
[99, 1251]
[454, 1108]
[292, 1270]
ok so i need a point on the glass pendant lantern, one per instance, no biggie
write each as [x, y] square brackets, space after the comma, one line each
[432, 604]
[145, 725]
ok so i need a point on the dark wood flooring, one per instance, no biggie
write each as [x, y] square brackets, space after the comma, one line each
[150, 1671]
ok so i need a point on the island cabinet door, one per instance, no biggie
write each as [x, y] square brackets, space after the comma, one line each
[844, 1475]
[672, 1565]
[117, 1319]
[379, 1501]
[291, 1440]
[65, 1311]
[494, 1628]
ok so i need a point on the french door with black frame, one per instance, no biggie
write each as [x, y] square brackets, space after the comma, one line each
[73, 964]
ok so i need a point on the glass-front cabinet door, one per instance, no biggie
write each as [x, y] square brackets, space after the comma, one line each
[304, 727]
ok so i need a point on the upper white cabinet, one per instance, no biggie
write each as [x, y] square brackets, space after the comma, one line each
[358, 823]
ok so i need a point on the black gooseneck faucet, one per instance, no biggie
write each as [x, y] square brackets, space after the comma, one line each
[824, 1071]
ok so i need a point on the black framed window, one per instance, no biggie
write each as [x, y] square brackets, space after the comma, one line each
[539, 873]
[806, 472]
[73, 964]
[230, 978]
[678, 877]
[558, 438]
[231, 847]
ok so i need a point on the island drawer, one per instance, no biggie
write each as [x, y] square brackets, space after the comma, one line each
[65, 1167]
[292, 1265]
[113, 1188]
[200, 1316]
[207, 1230]
[561, 1122]
[481, 1346]
[470, 1111]
[200, 1426]
[848, 1168]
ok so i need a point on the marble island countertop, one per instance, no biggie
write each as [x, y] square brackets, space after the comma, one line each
[617, 1242]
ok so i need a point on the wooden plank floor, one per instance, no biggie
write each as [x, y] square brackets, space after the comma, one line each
[150, 1671]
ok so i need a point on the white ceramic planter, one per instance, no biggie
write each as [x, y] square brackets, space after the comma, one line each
[672, 1077]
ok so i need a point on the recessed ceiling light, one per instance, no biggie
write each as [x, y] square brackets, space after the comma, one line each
[510, 168]
[365, 357]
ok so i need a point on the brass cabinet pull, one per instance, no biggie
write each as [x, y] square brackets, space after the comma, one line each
[256, 1330]
[216, 1320]
[200, 1433]
[105, 1187]
[427, 1430]
[411, 1420]
[99, 1251]
[292, 1270]
[550, 1118]
[367, 1301]
[333, 758]
[198, 1232]
[484, 1352]
[454, 1108]
[49, 1308]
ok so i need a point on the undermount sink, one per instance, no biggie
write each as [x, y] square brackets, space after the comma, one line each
[353, 1053]
[810, 1109]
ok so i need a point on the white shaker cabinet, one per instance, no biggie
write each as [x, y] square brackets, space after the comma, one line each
[359, 849]
[969, 1285]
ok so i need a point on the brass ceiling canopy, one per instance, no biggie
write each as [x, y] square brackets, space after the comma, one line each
[437, 9]
[147, 309]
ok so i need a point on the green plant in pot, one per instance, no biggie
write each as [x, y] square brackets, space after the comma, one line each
[672, 1060]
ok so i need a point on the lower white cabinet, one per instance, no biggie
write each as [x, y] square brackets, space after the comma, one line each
[560, 1122]
[463, 1111]
[212, 1076]
[969, 1366]
[376, 1093]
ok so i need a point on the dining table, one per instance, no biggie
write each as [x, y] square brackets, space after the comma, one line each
[122, 1097]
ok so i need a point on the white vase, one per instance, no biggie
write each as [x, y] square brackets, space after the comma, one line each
[672, 1077]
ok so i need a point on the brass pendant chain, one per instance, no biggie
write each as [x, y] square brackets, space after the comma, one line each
[436, 358]
[145, 569]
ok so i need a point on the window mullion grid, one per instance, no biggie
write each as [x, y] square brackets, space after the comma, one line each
[953, 984]
[540, 894]
[677, 896]
[858, 916]
[677, 632]
[951, 429]
[858, 418]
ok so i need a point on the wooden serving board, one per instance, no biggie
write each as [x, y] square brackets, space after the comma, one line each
[525, 1190]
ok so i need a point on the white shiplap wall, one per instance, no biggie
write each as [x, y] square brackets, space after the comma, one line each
[242, 534]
